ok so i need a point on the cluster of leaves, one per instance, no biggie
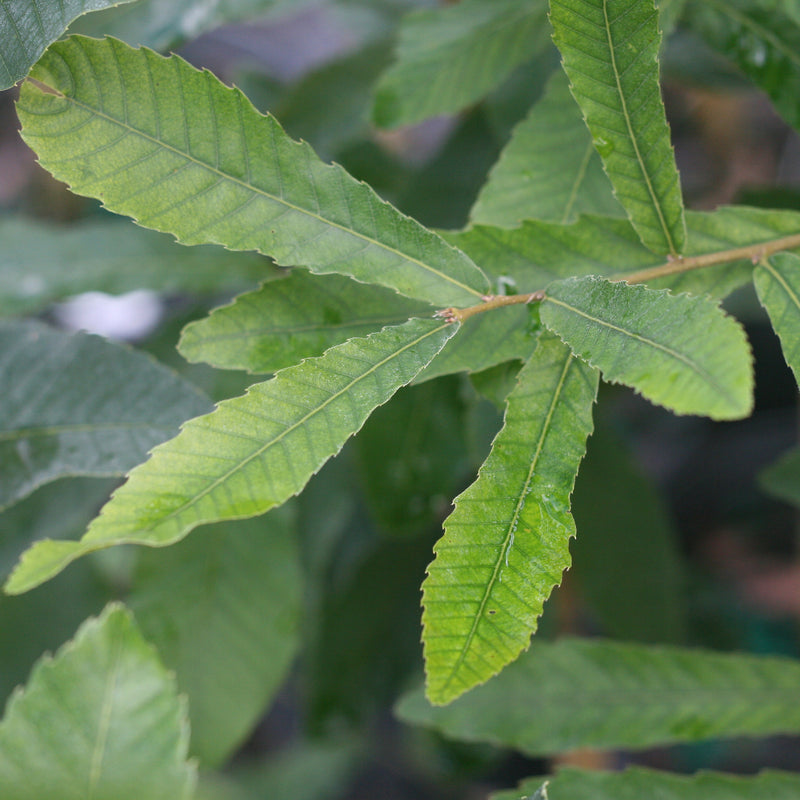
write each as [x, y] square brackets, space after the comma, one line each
[579, 263]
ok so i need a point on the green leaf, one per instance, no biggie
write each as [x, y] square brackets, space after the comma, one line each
[638, 594]
[679, 351]
[50, 427]
[782, 479]
[636, 783]
[253, 452]
[102, 719]
[288, 320]
[113, 124]
[223, 609]
[610, 53]
[762, 37]
[43, 263]
[593, 693]
[448, 58]
[537, 252]
[549, 170]
[777, 283]
[506, 544]
[28, 27]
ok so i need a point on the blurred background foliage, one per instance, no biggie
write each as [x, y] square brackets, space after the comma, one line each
[677, 541]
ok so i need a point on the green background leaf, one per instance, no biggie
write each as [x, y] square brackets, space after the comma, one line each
[253, 452]
[115, 727]
[777, 283]
[223, 609]
[549, 170]
[450, 57]
[593, 693]
[610, 53]
[104, 129]
[679, 351]
[506, 544]
[50, 428]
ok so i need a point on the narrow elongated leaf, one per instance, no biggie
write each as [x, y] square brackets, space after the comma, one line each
[594, 693]
[636, 783]
[102, 719]
[777, 283]
[288, 320]
[253, 452]
[610, 53]
[43, 263]
[762, 37]
[180, 152]
[448, 58]
[679, 351]
[28, 27]
[506, 544]
[50, 427]
[223, 609]
[549, 170]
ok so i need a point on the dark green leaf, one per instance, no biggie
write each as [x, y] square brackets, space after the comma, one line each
[782, 479]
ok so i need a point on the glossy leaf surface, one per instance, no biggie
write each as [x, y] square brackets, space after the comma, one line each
[51, 428]
[223, 609]
[101, 719]
[549, 170]
[253, 452]
[777, 283]
[679, 351]
[180, 152]
[450, 57]
[610, 53]
[506, 544]
[594, 693]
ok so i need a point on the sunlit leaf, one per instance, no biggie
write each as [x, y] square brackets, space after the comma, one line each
[610, 53]
[679, 351]
[101, 719]
[253, 452]
[594, 693]
[549, 170]
[506, 544]
[450, 57]
[77, 404]
[180, 152]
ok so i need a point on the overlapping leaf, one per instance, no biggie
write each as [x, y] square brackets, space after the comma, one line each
[448, 58]
[506, 544]
[173, 147]
[102, 719]
[593, 693]
[636, 783]
[76, 404]
[777, 282]
[537, 252]
[610, 53]
[253, 452]
[27, 27]
[679, 351]
[288, 320]
[549, 170]
[762, 37]
[43, 263]
[223, 609]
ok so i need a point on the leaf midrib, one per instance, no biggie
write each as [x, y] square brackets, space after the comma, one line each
[282, 435]
[512, 524]
[56, 430]
[124, 125]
